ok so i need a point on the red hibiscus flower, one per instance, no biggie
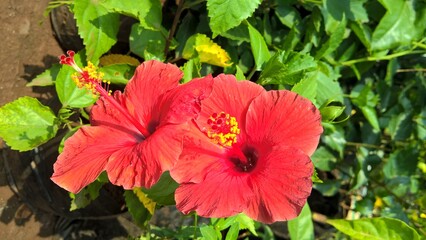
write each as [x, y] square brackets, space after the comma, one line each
[248, 152]
[134, 136]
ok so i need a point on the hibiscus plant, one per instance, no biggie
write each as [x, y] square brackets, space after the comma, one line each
[243, 112]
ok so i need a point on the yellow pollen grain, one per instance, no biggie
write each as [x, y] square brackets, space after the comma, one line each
[89, 78]
[225, 129]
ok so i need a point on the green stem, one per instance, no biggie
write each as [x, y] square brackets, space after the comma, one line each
[148, 232]
[355, 144]
[387, 57]
[174, 26]
[319, 2]
[192, 4]
[195, 225]
[253, 70]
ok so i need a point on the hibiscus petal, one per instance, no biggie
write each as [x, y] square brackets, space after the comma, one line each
[230, 96]
[286, 118]
[85, 155]
[151, 80]
[281, 184]
[103, 113]
[183, 103]
[222, 194]
[143, 164]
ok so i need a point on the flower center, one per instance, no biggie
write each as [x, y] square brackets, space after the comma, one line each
[90, 79]
[244, 159]
[223, 129]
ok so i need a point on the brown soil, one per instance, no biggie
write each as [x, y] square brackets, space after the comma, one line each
[28, 48]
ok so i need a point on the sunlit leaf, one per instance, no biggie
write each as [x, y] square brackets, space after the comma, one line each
[375, 229]
[191, 70]
[208, 232]
[233, 231]
[26, 123]
[258, 47]
[226, 14]
[246, 223]
[147, 11]
[302, 227]
[397, 27]
[97, 26]
[287, 68]
[307, 87]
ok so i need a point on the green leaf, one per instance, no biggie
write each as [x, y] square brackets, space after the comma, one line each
[334, 137]
[150, 13]
[26, 123]
[307, 87]
[371, 116]
[287, 68]
[328, 88]
[334, 41]
[117, 73]
[302, 227]
[351, 9]
[324, 159]
[191, 70]
[363, 32]
[47, 78]
[246, 223]
[375, 229]
[402, 162]
[86, 195]
[233, 232]
[97, 26]
[292, 39]
[148, 44]
[258, 47]
[239, 75]
[208, 232]
[328, 188]
[239, 33]
[315, 178]
[226, 14]
[125, 7]
[400, 126]
[147, 11]
[137, 210]
[330, 113]
[163, 191]
[397, 27]
[68, 92]
[287, 14]
[66, 136]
